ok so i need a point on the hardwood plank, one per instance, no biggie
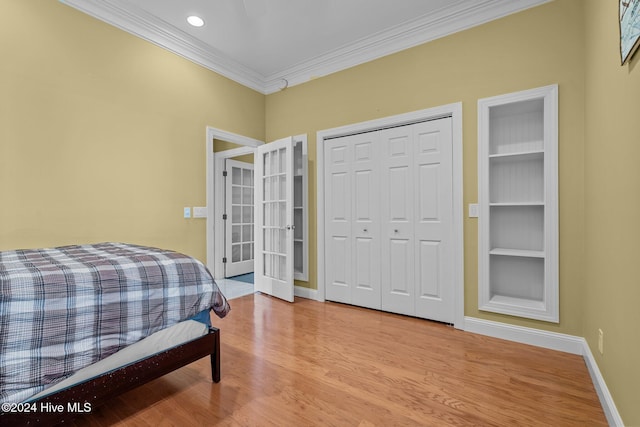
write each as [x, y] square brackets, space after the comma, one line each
[328, 364]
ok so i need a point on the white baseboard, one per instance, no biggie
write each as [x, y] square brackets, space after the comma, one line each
[608, 405]
[302, 292]
[554, 341]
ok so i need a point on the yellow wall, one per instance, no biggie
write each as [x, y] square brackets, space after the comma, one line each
[612, 207]
[102, 134]
[538, 47]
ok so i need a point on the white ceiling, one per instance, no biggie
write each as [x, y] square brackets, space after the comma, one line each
[267, 44]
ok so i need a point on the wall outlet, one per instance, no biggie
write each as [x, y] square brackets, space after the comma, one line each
[199, 211]
[600, 341]
[473, 210]
[187, 212]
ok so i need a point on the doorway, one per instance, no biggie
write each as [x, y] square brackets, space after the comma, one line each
[230, 240]
[453, 111]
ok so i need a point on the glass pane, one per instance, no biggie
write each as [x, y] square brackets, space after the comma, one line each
[236, 176]
[266, 214]
[246, 214]
[282, 214]
[266, 235]
[274, 214]
[236, 213]
[282, 268]
[266, 164]
[267, 189]
[283, 188]
[246, 177]
[267, 265]
[246, 251]
[274, 164]
[252, 249]
[274, 188]
[246, 233]
[247, 196]
[235, 253]
[236, 193]
[274, 266]
[235, 234]
[283, 162]
[282, 239]
[252, 218]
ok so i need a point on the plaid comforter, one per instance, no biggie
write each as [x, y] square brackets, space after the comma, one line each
[65, 308]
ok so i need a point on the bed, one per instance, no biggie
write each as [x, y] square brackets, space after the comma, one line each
[81, 324]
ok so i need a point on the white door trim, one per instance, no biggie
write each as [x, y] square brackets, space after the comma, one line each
[451, 110]
[215, 192]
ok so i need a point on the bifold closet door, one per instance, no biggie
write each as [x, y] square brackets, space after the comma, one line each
[353, 220]
[416, 224]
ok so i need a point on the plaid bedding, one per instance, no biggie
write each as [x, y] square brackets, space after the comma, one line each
[65, 308]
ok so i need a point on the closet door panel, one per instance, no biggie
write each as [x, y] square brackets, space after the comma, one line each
[397, 185]
[433, 225]
[365, 226]
[338, 221]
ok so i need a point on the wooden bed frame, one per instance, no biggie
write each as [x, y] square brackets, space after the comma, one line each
[100, 389]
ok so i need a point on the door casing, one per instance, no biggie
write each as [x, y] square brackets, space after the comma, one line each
[215, 192]
[451, 110]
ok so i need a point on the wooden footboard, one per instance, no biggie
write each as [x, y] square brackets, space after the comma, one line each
[68, 403]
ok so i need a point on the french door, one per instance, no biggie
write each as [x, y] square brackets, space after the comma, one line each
[274, 228]
[239, 224]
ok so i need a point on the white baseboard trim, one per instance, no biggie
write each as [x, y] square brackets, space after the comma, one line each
[608, 405]
[551, 340]
[554, 341]
[302, 292]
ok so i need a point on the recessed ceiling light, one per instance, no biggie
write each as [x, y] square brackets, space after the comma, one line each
[196, 21]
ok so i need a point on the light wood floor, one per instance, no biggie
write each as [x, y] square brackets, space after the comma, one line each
[327, 364]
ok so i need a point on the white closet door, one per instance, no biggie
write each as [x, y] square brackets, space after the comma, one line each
[417, 272]
[274, 228]
[434, 220]
[398, 238]
[239, 223]
[353, 220]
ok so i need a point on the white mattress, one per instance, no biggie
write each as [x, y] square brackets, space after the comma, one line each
[162, 340]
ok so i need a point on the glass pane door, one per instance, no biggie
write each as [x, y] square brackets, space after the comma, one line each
[274, 219]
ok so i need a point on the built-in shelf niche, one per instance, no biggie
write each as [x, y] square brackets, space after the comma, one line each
[518, 188]
[300, 212]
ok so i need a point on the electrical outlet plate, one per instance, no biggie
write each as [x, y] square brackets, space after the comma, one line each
[473, 210]
[199, 212]
[600, 341]
[187, 212]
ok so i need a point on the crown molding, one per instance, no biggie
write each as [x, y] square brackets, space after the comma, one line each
[140, 23]
[459, 17]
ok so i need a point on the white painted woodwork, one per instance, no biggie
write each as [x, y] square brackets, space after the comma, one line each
[300, 209]
[518, 198]
[239, 248]
[417, 223]
[389, 219]
[353, 220]
[274, 229]
[360, 31]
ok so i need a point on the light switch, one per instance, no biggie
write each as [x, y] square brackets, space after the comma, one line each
[473, 210]
[187, 212]
[199, 211]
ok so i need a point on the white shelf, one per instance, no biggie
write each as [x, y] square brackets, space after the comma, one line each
[517, 253]
[508, 204]
[518, 187]
[533, 153]
[300, 211]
